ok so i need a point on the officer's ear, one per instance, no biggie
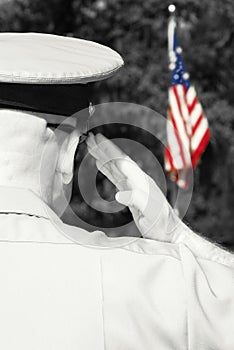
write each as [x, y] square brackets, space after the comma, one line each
[66, 156]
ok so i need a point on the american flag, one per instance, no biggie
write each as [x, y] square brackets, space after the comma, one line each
[188, 132]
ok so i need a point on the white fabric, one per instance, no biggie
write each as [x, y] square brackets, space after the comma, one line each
[28, 152]
[104, 293]
[101, 293]
[51, 59]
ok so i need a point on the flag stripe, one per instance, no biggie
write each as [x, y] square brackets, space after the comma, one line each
[199, 134]
[178, 161]
[168, 159]
[203, 144]
[184, 149]
[178, 119]
[198, 122]
[187, 130]
[195, 114]
[191, 95]
[180, 101]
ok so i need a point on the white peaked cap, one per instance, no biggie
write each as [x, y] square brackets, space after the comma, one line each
[50, 59]
[51, 74]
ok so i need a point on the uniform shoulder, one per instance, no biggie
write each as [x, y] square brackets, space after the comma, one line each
[137, 245]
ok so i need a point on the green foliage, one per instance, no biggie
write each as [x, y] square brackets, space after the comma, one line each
[138, 30]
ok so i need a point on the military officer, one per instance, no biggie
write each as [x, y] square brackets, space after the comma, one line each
[63, 287]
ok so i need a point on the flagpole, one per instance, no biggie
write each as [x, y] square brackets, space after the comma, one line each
[171, 32]
[171, 28]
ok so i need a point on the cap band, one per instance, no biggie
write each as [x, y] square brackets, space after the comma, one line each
[62, 99]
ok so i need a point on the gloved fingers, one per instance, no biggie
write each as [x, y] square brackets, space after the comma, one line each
[122, 166]
[104, 160]
[95, 150]
[138, 191]
[135, 176]
[149, 207]
[108, 147]
[105, 170]
[138, 179]
[103, 149]
[106, 151]
[113, 174]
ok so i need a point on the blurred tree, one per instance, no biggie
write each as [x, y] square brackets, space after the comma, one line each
[138, 30]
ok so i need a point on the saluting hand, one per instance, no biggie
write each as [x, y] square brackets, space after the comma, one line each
[151, 212]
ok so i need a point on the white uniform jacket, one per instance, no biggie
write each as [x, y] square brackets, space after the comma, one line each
[105, 293]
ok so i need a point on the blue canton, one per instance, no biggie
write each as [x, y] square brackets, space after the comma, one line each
[177, 74]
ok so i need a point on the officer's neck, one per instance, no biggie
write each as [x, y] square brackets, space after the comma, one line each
[28, 153]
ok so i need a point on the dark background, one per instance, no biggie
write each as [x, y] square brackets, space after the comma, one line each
[138, 31]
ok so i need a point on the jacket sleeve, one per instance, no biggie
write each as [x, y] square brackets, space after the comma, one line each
[209, 284]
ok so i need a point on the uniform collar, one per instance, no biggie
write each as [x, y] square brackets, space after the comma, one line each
[24, 201]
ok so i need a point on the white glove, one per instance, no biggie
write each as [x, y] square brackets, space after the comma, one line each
[151, 212]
